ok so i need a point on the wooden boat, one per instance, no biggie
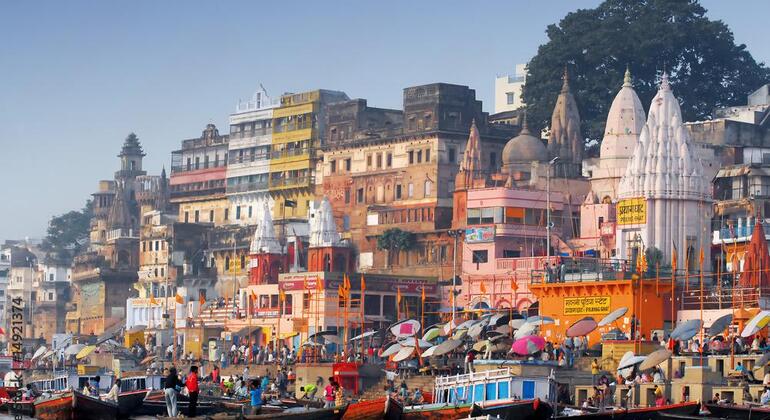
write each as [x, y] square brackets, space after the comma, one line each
[87, 407]
[23, 407]
[380, 409]
[129, 402]
[645, 413]
[738, 412]
[514, 410]
[296, 413]
[154, 404]
[54, 407]
[437, 411]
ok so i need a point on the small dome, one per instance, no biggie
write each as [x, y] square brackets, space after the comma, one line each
[524, 148]
[624, 123]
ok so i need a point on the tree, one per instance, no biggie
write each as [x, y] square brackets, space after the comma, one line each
[395, 240]
[707, 69]
[68, 234]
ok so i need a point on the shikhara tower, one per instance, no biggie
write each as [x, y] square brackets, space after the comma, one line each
[666, 173]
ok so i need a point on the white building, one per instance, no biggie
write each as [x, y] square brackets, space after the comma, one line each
[508, 90]
[249, 154]
[665, 199]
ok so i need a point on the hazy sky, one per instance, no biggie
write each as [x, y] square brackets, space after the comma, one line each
[76, 77]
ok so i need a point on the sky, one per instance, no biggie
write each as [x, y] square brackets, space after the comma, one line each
[76, 77]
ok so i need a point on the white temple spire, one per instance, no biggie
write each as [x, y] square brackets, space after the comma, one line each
[264, 240]
[323, 229]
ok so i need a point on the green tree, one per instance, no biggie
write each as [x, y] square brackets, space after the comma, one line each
[707, 69]
[67, 234]
[395, 240]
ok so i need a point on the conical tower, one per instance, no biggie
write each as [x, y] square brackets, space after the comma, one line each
[566, 139]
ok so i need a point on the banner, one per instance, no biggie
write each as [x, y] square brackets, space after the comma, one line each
[589, 305]
[480, 234]
[632, 211]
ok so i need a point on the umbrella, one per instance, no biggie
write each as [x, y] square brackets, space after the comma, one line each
[429, 352]
[446, 347]
[623, 360]
[720, 324]
[311, 344]
[39, 352]
[85, 351]
[459, 334]
[467, 324]
[364, 335]
[148, 359]
[631, 362]
[322, 334]
[393, 349]
[499, 319]
[517, 323]
[73, 349]
[503, 329]
[403, 354]
[685, 328]
[757, 323]
[655, 358]
[431, 334]
[406, 328]
[582, 327]
[480, 345]
[409, 342]
[449, 326]
[528, 345]
[136, 329]
[538, 319]
[612, 316]
[525, 330]
[476, 329]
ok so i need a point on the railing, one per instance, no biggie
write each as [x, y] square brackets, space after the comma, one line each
[248, 186]
[482, 376]
[121, 233]
[714, 297]
[198, 192]
[283, 128]
[251, 133]
[291, 182]
[583, 269]
[279, 154]
[200, 167]
[738, 232]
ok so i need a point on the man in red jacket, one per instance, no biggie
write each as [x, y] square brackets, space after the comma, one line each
[192, 388]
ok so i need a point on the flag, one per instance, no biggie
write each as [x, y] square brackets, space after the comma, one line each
[701, 258]
[514, 285]
[319, 286]
[341, 291]
[423, 294]
[253, 295]
[281, 295]
[674, 257]
[179, 299]
[346, 282]
[153, 301]
[202, 298]
[483, 287]
[363, 284]
[398, 296]
[641, 264]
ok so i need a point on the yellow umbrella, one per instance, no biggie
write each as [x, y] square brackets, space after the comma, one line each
[85, 352]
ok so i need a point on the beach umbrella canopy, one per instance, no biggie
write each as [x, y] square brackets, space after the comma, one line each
[429, 352]
[85, 351]
[613, 316]
[540, 319]
[525, 330]
[459, 334]
[448, 327]
[431, 334]
[406, 328]
[631, 362]
[410, 342]
[517, 323]
[504, 329]
[39, 352]
[467, 324]
[582, 327]
[364, 335]
[655, 358]
[720, 324]
[480, 345]
[446, 347]
[311, 344]
[759, 321]
[528, 345]
[148, 359]
[475, 330]
[499, 319]
[686, 328]
[320, 334]
[403, 354]
[391, 350]
[73, 349]
[763, 360]
[48, 354]
[627, 371]
[136, 328]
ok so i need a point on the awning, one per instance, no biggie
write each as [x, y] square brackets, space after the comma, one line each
[287, 335]
[732, 171]
[85, 351]
[247, 330]
[111, 332]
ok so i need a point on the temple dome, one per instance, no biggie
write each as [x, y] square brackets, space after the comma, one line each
[624, 123]
[524, 148]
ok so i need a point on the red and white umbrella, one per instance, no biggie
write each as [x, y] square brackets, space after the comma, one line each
[530, 344]
[582, 327]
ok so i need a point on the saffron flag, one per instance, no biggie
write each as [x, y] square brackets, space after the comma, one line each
[363, 283]
[202, 298]
[674, 257]
[319, 286]
[153, 301]
[398, 296]
[345, 282]
[179, 299]
[483, 287]
[641, 264]
[253, 295]
[282, 295]
[701, 257]
[423, 294]
[514, 285]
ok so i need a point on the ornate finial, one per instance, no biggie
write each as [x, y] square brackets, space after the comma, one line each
[664, 84]
[524, 125]
[627, 78]
[565, 78]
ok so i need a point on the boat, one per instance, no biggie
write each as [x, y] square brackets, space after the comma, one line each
[515, 410]
[54, 406]
[129, 402]
[438, 411]
[690, 408]
[380, 409]
[24, 407]
[87, 407]
[295, 413]
[738, 412]
[154, 404]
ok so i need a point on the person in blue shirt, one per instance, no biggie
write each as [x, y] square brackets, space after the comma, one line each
[255, 392]
[265, 383]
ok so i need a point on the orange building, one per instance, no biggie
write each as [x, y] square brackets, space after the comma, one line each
[578, 296]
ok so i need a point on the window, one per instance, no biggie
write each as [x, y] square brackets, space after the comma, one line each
[306, 301]
[427, 155]
[162, 272]
[205, 162]
[428, 188]
[474, 216]
[419, 156]
[187, 217]
[189, 164]
[480, 257]
[333, 165]
[197, 219]
[389, 160]
[347, 196]
[411, 157]
[452, 155]
[369, 161]
[243, 262]
[360, 195]
[410, 190]
[144, 246]
[346, 222]
[211, 215]
[510, 253]
[157, 244]
[388, 304]
[197, 163]
[398, 192]
[514, 215]
[379, 160]
[347, 164]
[249, 212]
[509, 97]
[227, 214]
[227, 264]
[237, 212]
[50, 295]
[50, 277]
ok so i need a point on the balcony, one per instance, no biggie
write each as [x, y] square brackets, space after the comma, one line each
[247, 187]
[293, 126]
[286, 183]
[737, 234]
[122, 234]
[250, 134]
[178, 169]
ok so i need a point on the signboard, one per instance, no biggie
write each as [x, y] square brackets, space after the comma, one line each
[588, 305]
[480, 234]
[300, 324]
[608, 229]
[632, 211]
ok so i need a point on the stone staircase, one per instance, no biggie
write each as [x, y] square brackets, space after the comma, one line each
[425, 383]
[211, 316]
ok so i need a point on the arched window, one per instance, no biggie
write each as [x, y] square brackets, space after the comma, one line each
[428, 188]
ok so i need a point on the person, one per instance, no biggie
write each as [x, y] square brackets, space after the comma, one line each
[766, 380]
[403, 393]
[255, 396]
[715, 400]
[308, 392]
[562, 272]
[192, 389]
[469, 357]
[755, 344]
[329, 394]
[657, 376]
[215, 378]
[339, 395]
[114, 392]
[739, 368]
[765, 399]
[417, 398]
[594, 371]
[170, 390]
[659, 400]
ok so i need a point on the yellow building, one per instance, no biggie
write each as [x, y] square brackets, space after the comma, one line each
[297, 135]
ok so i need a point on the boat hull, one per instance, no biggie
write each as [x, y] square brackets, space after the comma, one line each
[57, 407]
[129, 402]
[379, 409]
[437, 413]
[515, 410]
[647, 413]
[25, 408]
[154, 404]
[335, 413]
[738, 412]
[87, 408]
